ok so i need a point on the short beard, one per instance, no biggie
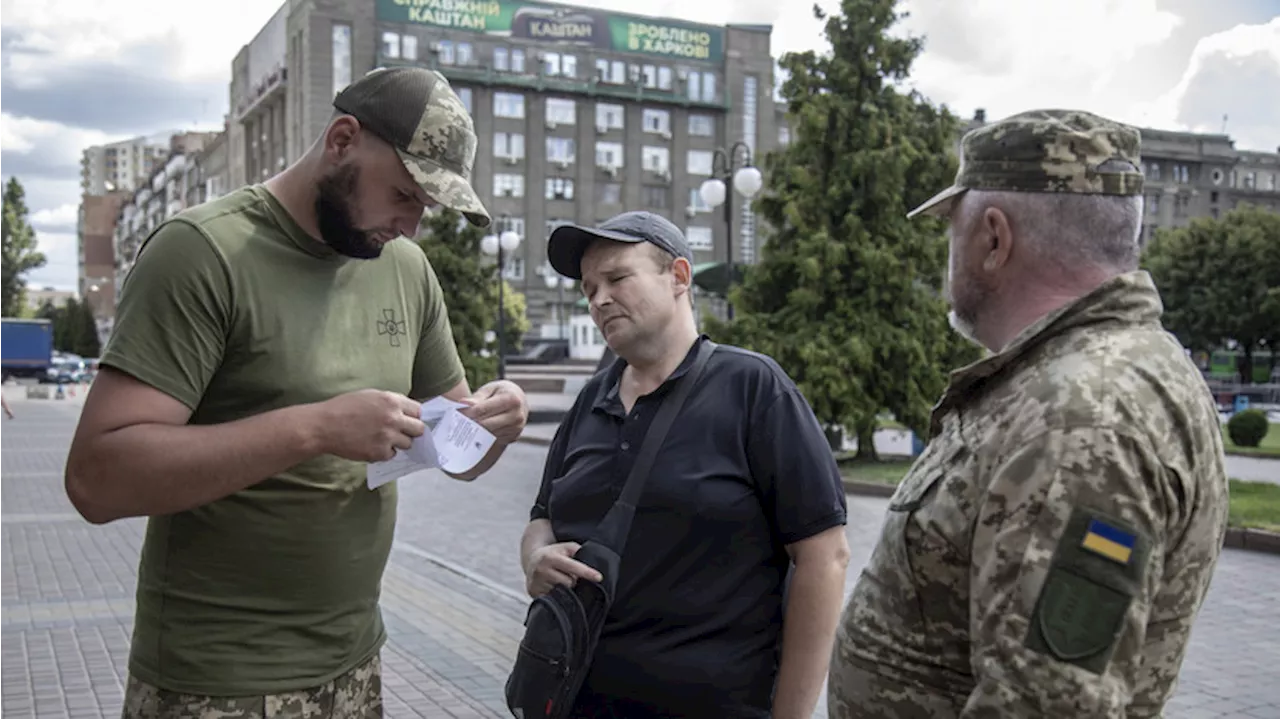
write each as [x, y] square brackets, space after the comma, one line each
[334, 193]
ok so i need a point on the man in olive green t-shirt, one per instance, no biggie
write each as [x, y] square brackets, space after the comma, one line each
[267, 345]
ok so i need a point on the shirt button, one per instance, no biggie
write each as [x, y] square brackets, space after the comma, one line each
[626, 446]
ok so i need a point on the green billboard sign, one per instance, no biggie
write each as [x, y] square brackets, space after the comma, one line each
[563, 25]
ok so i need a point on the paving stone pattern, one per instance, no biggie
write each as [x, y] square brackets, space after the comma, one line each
[452, 595]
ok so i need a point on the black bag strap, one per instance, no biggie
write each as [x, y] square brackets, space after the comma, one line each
[616, 525]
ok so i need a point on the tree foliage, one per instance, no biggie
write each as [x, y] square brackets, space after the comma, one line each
[1220, 283]
[847, 294]
[20, 255]
[471, 292]
[74, 327]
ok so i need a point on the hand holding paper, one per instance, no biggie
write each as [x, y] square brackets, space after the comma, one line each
[452, 442]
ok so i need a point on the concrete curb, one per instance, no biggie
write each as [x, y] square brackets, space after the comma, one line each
[1254, 540]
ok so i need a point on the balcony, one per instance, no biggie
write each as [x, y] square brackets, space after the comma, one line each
[489, 77]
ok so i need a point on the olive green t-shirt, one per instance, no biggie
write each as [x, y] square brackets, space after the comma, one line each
[234, 311]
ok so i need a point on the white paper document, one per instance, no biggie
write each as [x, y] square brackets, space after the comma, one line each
[452, 442]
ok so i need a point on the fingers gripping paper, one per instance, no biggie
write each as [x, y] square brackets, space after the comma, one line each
[452, 442]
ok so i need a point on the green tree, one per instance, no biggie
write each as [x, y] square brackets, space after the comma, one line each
[1220, 282]
[846, 296]
[83, 331]
[64, 329]
[20, 253]
[471, 292]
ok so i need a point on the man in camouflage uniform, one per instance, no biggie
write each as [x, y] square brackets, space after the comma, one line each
[1048, 552]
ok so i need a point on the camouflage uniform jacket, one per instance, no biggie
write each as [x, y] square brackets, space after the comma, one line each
[1049, 550]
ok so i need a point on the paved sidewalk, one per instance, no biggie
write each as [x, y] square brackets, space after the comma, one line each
[451, 595]
[68, 603]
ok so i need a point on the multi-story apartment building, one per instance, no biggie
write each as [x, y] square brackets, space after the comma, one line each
[581, 113]
[120, 166]
[1189, 175]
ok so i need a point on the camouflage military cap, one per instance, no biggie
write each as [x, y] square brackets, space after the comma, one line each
[1045, 151]
[418, 113]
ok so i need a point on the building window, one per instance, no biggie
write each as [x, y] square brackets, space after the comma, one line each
[409, 47]
[561, 149]
[700, 162]
[649, 75]
[602, 70]
[551, 63]
[514, 270]
[466, 54]
[391, 44]
[559, 188]
[556, 65]
[708, 87]
[784, 135]
[508, 145]
[664, 78]
[609, 154]
[561, 111]
[657, 121]
[1271, 182]
[699, 238]
[609, 117]
[618, 72]
[341, 56]
[701, 126]
[553, 223]
[608, 193]
[508, 185]
[464, 94]
[1181, 174]
[1250, 180]
[444, 51]
[655, 196]
[655, 159]
[508, 104]
[696, 203]
[508, 59]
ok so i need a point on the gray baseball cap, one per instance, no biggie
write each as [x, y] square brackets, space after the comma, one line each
[568, 243]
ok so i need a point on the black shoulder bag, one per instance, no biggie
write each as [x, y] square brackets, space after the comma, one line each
[563, 626]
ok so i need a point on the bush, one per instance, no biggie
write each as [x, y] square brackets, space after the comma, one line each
[1247, 428]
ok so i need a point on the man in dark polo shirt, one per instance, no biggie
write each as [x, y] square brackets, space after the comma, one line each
[743, 490]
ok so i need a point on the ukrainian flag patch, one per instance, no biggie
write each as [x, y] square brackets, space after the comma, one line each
[1109, 541]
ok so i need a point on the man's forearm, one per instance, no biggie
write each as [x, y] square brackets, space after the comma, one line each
[536, 536]
[156, 469]
[808, 630]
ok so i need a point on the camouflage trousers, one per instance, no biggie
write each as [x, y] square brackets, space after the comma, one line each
[354, 695]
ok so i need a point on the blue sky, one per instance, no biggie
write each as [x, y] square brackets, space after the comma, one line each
[72, 75]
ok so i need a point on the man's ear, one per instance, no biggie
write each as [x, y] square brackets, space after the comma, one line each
[682, 272]
[342, 135]
[998, 238]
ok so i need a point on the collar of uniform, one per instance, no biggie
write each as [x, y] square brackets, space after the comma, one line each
[607, 399]
[1130, 298]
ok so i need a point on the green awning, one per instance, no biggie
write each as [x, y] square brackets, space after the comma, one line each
[708, 276]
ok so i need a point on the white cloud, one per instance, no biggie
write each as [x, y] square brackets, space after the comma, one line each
[1008, 57]
[52, 142]
[62, 269]
[61, 217]
[1235, 73]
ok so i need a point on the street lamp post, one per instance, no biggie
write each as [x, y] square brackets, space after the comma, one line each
[747, 180]
[554, 281]
[500, 245]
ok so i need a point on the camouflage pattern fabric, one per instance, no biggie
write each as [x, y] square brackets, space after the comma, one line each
[442, 153]
[354, 695]
[1048, 552]
[1048, 151]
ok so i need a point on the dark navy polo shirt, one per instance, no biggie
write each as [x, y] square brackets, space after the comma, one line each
[744, 471]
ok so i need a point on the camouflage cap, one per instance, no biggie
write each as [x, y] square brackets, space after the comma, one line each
[418, 113]
[1045, 151]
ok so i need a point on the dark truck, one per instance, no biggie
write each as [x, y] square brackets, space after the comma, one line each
[26, 348]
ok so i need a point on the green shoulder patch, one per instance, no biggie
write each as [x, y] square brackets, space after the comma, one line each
[1096, 572]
